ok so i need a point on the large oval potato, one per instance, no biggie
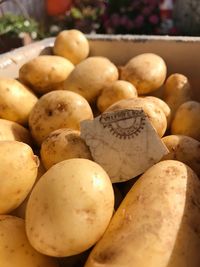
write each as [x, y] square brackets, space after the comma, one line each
[69, 208]
[63, 144]
[12, 131]
[177, 91]
[18, 171]
[15, 250]
[45, 73]
[55, 110]
[185, 149]
[157, 223]
[114, 92]
[71, 44]
[16, 101]
[154, 113]
[147, 72]
[187, 120]
[90, 76]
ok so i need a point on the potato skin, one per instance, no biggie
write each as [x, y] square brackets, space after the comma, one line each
[154, 113]
[114, 92]
[185, 149]
[147, 72]
[90, 76]
[82, 206]
[71, 44]
[12, 131]
[18, 171]
[15, 249]
[55, 110]
[45, 73]
[16, 101]
[177, 91]
[63, 144]
[157, 223]
[187, 120]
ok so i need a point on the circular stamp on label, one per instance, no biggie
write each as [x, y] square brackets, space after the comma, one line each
[124, 124]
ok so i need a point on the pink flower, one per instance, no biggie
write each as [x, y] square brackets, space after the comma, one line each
[138, 22]
[154, 19]
[115, 19]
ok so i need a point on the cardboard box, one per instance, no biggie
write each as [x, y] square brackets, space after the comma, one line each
[182, 54]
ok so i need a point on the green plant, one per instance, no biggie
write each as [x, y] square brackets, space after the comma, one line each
[18, 25]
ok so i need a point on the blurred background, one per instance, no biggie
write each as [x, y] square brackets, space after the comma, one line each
[24, 21]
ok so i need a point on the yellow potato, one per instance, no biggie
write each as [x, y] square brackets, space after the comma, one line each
[114, 92]
[154, 113]
[55, 110]
[16, 101]
[18, 171]
[157, 223]
[187, 120]
[69, 208]
[45, 73]
[12, 131]
[185, 149]
[161, 104]
[177, 91]
[71, 44]
[63, 144]
[15, 250]
[90, 76]
[147, 72]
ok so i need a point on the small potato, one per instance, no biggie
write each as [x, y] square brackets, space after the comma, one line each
[184, 149]
[154, 113]
[16, 101]
[90, 76]
[177, 91]
[71, 44]
[147, 72]
[45, 73]
[161, 104]
[55, 110]
[12, 131]
[15, 250]
[18, 171]
[69, 208]
[187, 120]
[63, 144]
[114, 92]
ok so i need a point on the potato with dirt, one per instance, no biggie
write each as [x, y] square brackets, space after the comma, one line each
[16, 101]
[63, 144]
[55, 110]
[147, 72]
[45, 73]
[90, 76]
[157, 223]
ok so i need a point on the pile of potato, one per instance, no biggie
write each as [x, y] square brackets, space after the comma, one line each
[57, 206]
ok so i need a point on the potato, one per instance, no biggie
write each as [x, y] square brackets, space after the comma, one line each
[114, 92]
[187, 120]
[15, 250]
[18, 171]
[55, 110]
[71, 44]
[16, 101]
[90, 76]
[161, 104]
[154, 113]
[21, 210]
[45, 73]
[147, 72]
[69, 208]
[157, 223]
[12, 131]
[63, 144]
[184, 149]
[177, 91]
